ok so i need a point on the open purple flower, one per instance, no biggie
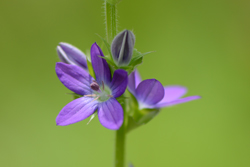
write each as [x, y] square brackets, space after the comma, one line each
[151, 94]
[97, 94]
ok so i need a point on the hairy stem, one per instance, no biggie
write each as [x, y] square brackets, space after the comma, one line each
[111, 31]
[111, 21]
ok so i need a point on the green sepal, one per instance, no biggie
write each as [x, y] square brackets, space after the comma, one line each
[87, 54]
[135, 61]
[145, 115]
[90, 68]
[137, 117]
[141, 117]
[137, 58]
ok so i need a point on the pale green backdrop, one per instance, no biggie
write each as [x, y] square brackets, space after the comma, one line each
[201, 44]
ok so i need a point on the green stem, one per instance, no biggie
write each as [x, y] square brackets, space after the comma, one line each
[120, 146]
[120, 141]
[111, 31]
[111, 21]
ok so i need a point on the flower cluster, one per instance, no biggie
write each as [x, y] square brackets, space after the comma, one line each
[99, 93]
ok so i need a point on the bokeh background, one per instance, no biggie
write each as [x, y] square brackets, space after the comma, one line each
[200, 44]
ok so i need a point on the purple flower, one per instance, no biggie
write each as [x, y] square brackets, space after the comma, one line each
[151, 94]
[97, 94]
[71, 55]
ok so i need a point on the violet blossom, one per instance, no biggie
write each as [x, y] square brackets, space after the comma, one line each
[151, 94]
[96, 94]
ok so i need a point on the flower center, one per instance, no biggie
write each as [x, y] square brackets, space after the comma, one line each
[102, 94]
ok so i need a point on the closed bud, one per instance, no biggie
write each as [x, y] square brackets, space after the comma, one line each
[71, 55]
[122, 47]
[113, 2]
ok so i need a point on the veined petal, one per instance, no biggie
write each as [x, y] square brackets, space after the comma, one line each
[110, 114]
[133, 81]
[100, 66]
[183, 100]
[150, 91]
[76, 111]
[119, 82]
[74, 78]
[71, 55]
[173, 93]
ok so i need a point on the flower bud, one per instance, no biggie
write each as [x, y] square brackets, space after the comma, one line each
[122, 47]
[71, 55]
[113, 2]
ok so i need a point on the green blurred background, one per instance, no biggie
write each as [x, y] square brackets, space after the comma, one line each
[201, 44]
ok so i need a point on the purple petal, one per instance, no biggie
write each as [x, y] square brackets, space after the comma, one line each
[119, 82]
[137, 78]
[133, 81]
[100, 66]
[76, 111]
[110, 114]
[173, 93]
[183, 100]
[71, 55]
[150, 91]
[74, 78]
